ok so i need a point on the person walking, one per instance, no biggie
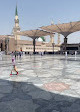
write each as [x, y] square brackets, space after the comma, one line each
[14, 66]
[15, 54]
[20, 54]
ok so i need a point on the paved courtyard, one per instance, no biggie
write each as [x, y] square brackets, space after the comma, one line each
[44, 84]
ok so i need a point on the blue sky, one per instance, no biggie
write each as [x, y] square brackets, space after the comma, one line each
[37, 13]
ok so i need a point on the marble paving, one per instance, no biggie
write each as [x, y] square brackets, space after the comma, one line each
[48, 83]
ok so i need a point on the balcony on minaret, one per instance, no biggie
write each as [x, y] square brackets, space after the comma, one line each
[16, 20]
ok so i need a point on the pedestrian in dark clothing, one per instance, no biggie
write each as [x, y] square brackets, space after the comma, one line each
[20, 54]
[15, 53]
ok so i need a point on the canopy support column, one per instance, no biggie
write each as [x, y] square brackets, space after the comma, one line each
[53, 44]
[34, 43]
[65, 43]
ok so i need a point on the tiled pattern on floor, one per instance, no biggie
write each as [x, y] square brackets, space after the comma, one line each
[48, 83]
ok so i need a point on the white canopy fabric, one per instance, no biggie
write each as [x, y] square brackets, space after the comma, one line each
[34, 33]
[65, 29]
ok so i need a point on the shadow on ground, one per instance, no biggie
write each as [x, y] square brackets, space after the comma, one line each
[25, 97]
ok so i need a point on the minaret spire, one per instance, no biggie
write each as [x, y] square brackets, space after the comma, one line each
[16, 27]
[16, 12]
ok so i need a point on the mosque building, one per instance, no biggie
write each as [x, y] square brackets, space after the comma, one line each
[14, 42]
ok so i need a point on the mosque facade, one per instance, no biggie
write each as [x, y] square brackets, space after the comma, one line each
[14, 43]
[9, 43]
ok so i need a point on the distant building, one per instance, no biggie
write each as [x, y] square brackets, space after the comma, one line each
[70, 48]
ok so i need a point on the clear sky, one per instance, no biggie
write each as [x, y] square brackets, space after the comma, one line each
[36, 13]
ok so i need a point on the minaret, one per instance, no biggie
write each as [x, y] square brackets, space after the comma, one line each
[16, 27]
[52, 36]
[59, 39]
[52, 23]
[59, 36]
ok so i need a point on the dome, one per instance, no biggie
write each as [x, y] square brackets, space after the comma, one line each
[40, 39]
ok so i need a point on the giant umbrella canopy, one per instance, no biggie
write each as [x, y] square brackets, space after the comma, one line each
[65, 28]
[34, 34]
[4, 36]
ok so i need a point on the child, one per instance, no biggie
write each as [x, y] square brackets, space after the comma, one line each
[14, 67]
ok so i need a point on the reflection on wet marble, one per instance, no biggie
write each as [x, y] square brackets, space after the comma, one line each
[48, 83]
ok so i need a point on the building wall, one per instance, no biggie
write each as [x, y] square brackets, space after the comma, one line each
[2, 47]
[26, 45]
[70, 48]
[12, 44]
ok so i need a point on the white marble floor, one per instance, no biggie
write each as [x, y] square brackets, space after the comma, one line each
[48, 83]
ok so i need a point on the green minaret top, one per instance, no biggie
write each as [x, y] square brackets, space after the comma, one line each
[16, 12]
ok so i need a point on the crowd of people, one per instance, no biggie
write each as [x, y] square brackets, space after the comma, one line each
[16, 54]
